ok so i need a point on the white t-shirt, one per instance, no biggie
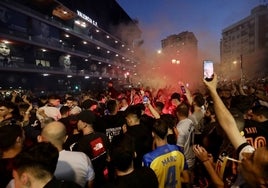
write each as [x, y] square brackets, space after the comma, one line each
[74, 166]
[185, 139]
[50, 111]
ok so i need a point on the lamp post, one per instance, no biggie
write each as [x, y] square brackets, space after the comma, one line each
[175, 61]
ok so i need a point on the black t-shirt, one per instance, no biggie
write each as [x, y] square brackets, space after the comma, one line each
[256, 133]
[71, 142]
[5, 172]
[32, 131]
[96, 147]
[143, 141]
[212, 139]
[143, 177]
[69, 124]
[147, 121]
[111, 125]
[55, 183]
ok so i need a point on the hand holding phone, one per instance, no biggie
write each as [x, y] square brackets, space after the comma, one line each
[145, 100]
[208, 70]
[183, 90]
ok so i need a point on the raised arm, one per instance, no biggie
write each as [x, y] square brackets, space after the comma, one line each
[224, 117]
[207, 161]
[152, 110]
[187, 94]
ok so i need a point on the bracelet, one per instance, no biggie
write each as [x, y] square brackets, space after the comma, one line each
[205, 160]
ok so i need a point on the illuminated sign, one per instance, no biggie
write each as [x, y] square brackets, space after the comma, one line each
[88, 19]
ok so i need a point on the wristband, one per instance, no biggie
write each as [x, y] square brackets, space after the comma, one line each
[239, 149]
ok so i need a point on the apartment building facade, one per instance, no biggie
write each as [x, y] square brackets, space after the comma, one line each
[244, 46]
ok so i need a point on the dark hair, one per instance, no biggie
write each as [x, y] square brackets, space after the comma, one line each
[211, 109]
[15, 109]
[23, 106]
[141, 106]
[101, 96]
[170, 120]
[70, 99]
[159, 105]
[111, 105]
[88, 103]
[199, 99]
[64, 109]
[42, 158]
[8, 135]
[54, 96]
[7, 104]
[183, 109]
[122, 152]
[175, 96]
[160, 128]
[43, 97]
[239, 118]
[134, 110]
[242, 103]
[260, 110]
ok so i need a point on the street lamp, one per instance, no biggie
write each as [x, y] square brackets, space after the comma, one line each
[241, 66]
[175, 61]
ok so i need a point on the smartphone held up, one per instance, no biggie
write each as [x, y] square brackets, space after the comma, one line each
[208, 69]
[183, 90]
[145, 100]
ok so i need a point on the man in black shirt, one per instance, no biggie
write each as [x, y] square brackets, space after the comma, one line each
[126, 175]
[140, 133]
[95, 145]
[256, 129]
[112, 123]
[11, 143]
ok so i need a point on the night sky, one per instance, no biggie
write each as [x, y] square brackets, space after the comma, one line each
[205, 18]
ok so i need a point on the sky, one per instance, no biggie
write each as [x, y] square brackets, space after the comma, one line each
[205, 18]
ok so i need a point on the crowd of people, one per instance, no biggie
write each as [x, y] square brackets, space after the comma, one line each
[137, 138]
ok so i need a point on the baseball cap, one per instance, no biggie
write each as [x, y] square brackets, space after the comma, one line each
[86, 116]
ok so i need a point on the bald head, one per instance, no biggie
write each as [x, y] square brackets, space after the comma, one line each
[55, 133]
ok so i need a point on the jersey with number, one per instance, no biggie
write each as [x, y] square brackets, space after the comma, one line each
[168, 162]
[256, 133]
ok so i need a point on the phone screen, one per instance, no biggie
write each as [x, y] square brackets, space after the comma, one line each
[208, 69]
[183, 89]
[145, 99]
